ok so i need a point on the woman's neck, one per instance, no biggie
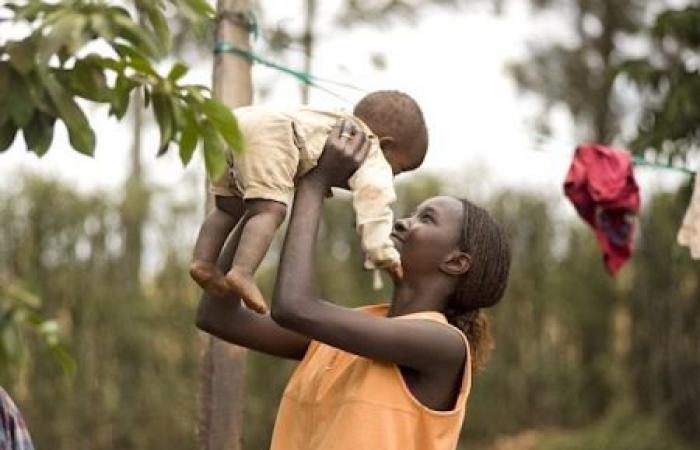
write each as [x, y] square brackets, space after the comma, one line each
[425, 295]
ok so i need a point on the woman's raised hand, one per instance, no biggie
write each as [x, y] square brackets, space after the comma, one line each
[345, 150]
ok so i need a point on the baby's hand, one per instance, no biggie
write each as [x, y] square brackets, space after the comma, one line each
[395, 270]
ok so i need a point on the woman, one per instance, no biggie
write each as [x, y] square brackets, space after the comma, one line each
[387, 376]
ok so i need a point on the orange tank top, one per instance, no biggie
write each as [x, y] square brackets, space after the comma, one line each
[336, 400]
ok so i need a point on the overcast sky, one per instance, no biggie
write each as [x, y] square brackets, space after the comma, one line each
[452, 62]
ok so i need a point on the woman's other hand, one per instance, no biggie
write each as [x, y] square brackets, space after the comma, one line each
[345, 150]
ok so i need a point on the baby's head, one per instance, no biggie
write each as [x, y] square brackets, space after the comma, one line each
[398, 122]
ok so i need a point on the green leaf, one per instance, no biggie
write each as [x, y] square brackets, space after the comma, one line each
[5, 79]
[178, 113]
[29, 11]
[214, 157]
[188, 139]
[80, 134]
[50, 17]
[8, 130]
[19, 101]
[64, 358]
[195, 93]
[121, 96]
[38, 95]
[22, 55]
[107, 63]
[177, 71]
[38, 134]
[160, 26]
[225, 122]
[163, 111]
[201, 7]
[66, 33]
[89, 81]
[113, 11]
[5, 76]
[101, 26]
[135, 59]
[136, 35]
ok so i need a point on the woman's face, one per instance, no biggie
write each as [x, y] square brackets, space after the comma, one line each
[429, 235]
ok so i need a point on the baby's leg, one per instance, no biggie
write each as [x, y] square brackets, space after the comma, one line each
[212, 235]
[262, 218]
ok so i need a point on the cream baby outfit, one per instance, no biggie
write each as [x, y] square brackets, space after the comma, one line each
[689, 234]
[281, 146]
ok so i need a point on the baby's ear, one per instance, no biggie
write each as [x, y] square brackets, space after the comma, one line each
[387, 143]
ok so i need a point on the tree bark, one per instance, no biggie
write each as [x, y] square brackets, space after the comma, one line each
[134, 208]
[223, 364]
[307, 40]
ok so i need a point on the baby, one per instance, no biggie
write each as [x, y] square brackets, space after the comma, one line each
[281, 146]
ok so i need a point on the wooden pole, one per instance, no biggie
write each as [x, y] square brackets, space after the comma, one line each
[223, 364]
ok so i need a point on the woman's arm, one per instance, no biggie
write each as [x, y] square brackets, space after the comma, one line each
[229, 320]
[419, 344]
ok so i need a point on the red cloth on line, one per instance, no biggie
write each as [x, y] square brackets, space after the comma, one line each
[601, 185]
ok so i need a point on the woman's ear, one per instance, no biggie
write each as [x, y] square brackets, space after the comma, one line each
[456, 263]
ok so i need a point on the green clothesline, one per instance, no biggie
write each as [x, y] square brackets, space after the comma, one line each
[636, 160]
[639, 161]
[311, 80]
[227, 47]
[304, 77]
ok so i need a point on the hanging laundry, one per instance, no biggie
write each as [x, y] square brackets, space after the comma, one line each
[689, 234]
[601, 185]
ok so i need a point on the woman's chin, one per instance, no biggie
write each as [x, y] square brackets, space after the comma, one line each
[397, 281]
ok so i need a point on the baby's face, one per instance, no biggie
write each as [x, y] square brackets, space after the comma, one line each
[403, 155]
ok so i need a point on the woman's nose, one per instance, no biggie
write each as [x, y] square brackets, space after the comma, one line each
[401, 225]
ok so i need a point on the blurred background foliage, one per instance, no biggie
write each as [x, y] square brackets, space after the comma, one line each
[582, 361]
[588, 357]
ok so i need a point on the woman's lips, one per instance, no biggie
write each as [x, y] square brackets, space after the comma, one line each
[396, 238]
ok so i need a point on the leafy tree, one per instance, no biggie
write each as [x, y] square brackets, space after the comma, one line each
[135, 354]
[354, 12]
[20, 317]
[45, 75]
[45, 72]
[551, 329]
[580, 75]
[664, 358]
[669, 82]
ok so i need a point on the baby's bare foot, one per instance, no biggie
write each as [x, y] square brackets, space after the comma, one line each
[209, 278]
[244, 285]
[202, 272]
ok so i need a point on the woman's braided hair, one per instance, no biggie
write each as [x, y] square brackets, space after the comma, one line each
[483, 284]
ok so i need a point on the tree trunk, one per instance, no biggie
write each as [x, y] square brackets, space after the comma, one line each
[223, 364]
[307, 40]
[134, 208]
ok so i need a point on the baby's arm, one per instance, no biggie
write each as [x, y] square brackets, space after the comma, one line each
[373, 193]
